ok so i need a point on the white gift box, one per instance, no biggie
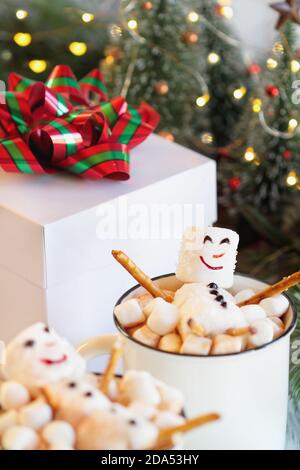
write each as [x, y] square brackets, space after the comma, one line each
[57, 233]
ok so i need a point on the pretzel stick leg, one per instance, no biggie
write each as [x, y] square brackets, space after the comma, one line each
[140, 276]
[188, 425]
[276, 289]
[196, 328]
[238, 331]
[110, 370]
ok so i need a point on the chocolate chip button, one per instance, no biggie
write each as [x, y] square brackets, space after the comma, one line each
[132, 422]
[213, 292]
[219, 298]
[224, 304]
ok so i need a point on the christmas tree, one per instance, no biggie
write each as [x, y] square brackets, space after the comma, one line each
[263, 173]
[166, 54]
[38, 34]
[228, 77]
[157, 58]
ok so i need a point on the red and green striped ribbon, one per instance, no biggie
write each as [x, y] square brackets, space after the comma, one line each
[45, 128]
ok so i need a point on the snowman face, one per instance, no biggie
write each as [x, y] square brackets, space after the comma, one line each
[212, 260]
[38, 356]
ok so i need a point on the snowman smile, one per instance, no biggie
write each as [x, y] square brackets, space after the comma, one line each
[51, 362]
[208, 265]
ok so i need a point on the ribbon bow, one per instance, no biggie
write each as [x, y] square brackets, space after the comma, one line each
[69, 125]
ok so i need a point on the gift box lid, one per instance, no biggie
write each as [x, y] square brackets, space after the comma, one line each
[48, 224]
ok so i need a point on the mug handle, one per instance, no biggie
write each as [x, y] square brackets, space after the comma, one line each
[97, 346]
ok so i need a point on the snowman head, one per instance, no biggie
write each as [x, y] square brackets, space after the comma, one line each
[209, 256]
[38, 356]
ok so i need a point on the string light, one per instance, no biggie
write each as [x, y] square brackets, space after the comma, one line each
[22, 39]
[293, 123]
[109, 59]
[78, 48]
[278, 48]
[226, 11]
[249, 154]
[37, 66]
[87, 17]
[201, 101]
[213, 58]
[238, 93]
[256, 105]
[291, 178]
[207, 138]
[132, 24]
[21, 14]
[295, 66]
[271, 63]
[116, 31]
[193, 17]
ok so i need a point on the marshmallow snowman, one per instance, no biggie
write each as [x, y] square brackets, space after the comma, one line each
[38, 356]
[208, 256]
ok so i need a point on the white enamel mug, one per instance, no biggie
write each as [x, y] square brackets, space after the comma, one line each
[248, 389]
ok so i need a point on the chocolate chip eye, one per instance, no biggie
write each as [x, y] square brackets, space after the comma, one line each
[132, 422]
[29, 344]
[46, 329]
[72, 384]
[88, 394]
[207, 239]
[225, 240]
[219, 298]
[212, 285]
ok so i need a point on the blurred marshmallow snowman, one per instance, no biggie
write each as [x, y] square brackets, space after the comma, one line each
[38, 356]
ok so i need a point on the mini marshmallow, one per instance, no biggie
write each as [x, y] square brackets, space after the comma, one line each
[8, 419]
[253, 312]
[144, 300]
[278, 326]
[197, 345]
[138, 386]
[171, 398]
[60, 446]
[146, 336]
[35, 415]
[226, 344]
[163, 316]
[243, 295]
[170, 343]
[13, 395]
[263, 332]
[140, 409]
[166, 419]
[59, 433]
[129, 313]
[208, 256]
[275, 306]
[20, 438]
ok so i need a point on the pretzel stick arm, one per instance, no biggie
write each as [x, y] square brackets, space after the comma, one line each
[140, 276]
[110, 370]
[276, 289]
[188, 425]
